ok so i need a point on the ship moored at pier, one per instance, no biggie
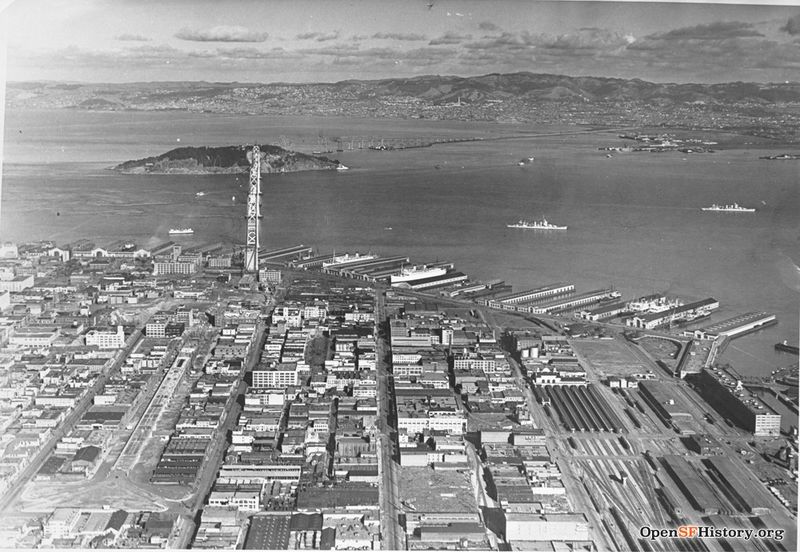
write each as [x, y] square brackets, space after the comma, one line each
[417, 273]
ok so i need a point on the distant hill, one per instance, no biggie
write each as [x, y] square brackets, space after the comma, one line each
[539, 86]
[770, 110]
[225, 159]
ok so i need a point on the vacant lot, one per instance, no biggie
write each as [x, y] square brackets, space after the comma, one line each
[426, 490]
[608, 357]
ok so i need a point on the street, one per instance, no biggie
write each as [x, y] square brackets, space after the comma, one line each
[392, 535]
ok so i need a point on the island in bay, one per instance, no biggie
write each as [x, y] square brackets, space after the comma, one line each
[225, 160]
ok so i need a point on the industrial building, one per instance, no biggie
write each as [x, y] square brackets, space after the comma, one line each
[106, 339]
[748, 495]
[693, 485]
[523, 526]
[730, 398]
[280, 375]
[663, 398]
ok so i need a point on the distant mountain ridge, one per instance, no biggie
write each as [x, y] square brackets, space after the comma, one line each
[436, 88]
[555, 87]
[225, 159]
[769, 110]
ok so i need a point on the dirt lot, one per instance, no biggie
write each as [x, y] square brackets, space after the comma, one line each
[426, 490]
[608, 357]
[662, 349]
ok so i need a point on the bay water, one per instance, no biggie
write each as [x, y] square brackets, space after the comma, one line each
[635, 219]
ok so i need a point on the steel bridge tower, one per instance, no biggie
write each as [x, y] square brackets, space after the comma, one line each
[252, 242]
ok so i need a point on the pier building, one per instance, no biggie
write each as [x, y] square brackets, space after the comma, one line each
[687, 312]
[734, 327]
[573, 302]
[551, 290]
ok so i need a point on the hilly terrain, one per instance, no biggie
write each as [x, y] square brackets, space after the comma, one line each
[225, 159]
[770, 110]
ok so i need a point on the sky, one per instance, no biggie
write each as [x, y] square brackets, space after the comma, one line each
[333, 40]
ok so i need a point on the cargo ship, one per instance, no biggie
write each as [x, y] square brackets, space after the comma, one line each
[735, 208]
[536, 225]
[181, 231]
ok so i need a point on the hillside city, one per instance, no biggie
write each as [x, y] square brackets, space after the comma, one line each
[743, 113]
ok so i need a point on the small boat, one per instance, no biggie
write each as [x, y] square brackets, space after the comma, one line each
[536, 225]
[200, 194]
[735, 208]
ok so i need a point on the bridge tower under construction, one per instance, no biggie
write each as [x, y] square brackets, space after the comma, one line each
[253, 231]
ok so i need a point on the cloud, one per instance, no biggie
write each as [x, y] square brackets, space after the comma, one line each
[590, 38]
[504, 41]
[792, 25]
[488, 26]
[127, 37]
[449, 38]
[221, 33]
[712, 31]
[349, 51]
[399, 36]
[319, 37]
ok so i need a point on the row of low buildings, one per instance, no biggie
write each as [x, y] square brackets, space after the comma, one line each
[302, 468]
[478, 395]
[69, 527]
[65, 360]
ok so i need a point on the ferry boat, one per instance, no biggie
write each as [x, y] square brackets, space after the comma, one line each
[536, 225]
[735, 208]
[417, 273]
[181, 231]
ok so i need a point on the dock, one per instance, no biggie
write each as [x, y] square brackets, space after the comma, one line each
[285, 253]
[786, 348]
[564, 304]
[550, 290]
[734, 327]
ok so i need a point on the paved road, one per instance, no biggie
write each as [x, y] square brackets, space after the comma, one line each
[392, 534]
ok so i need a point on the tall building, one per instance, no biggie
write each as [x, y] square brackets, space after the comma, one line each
[280, 375]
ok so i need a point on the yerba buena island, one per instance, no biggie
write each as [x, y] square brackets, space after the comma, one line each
[429, 275]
